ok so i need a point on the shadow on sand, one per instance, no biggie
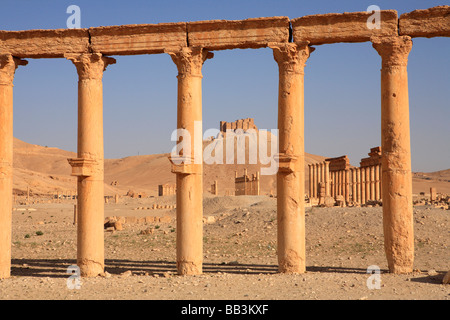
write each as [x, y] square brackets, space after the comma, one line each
[57, 268]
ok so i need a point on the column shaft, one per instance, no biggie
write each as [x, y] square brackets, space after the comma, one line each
[367, 183]
[377, 183]
[327, 178]
[396, 155]
[313, 180]
[334, 184]
[363, 186]
[358, 185]
[347, 185]
[354, 185]
[8, 66]
[90, 201]
[291, 60]
[310, 181]
[189, 175]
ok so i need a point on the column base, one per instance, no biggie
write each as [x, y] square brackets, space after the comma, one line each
[5, 274]
[89, 268]
[400, 269]
[291, 263]
[189, 268]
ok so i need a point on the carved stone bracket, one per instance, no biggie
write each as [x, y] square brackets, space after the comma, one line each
[287, 163]
[185, 165]
[83, 167]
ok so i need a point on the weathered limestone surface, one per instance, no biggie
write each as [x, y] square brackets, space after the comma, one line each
[232, 34]
[90, 201]
[291, 59]
[138, 39]
[8, 66]
[432, 22]
[396, 156]
[44, 43]
[189, 62]
[223, 34]
[342, 27]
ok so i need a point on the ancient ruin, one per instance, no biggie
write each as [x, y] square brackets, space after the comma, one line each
[190, 45]
[355, 185]
[215, 188]
[244, 124]
[246, 185]
[167, 189]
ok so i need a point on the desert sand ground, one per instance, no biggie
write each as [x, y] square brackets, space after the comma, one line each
[240, 261]
[240, 239]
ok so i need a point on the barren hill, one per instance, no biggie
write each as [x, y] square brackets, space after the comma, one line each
[46, 170]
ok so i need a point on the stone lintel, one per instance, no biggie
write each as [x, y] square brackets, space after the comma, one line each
[138, 38]
[44, 43]
[432, 22]
[342, 27]
[82, 167]
[238, 34]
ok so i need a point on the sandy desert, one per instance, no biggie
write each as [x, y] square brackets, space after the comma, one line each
[239, 240]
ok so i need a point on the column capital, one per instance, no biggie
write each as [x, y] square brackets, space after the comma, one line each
[394, 51]
[189, 60]
[8, 66]
[90, 65]
[291, 57]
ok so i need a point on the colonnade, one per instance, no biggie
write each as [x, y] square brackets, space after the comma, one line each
[357, 185]
[190, 45]
[291, 59]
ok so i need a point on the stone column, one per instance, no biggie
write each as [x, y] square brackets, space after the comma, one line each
[372, 183]
[327, 178]
[336, 174]
[354, 185]
[321, 193]
[335, 180]
[8, 66]
[322, 172]
[432, 194]
[291, 59]
[189, 167]
[347, 185]
[332, 183]
[377, 183]
[315, 180]
[89, 164]
[310, 181]
[367, 175]
[358, 185]
[396, 156]
[363, 185]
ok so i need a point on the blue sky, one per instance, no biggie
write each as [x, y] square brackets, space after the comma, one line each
[342, 82]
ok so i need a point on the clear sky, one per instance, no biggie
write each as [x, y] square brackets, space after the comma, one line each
[342, 82]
